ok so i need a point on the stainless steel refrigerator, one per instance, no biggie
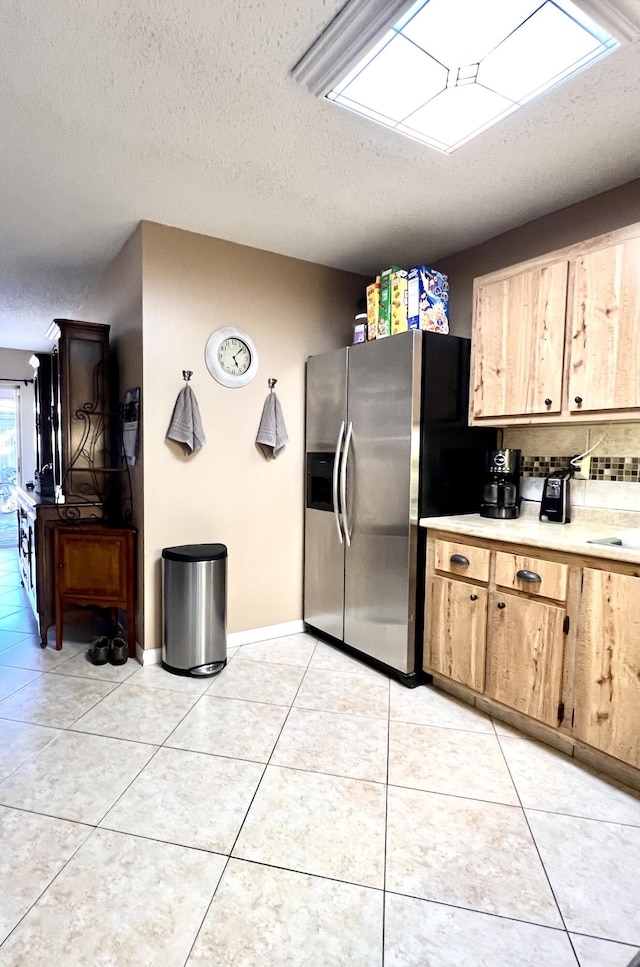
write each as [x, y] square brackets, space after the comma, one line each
[386, 443]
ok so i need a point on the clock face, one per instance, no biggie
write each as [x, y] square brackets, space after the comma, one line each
[234, 356]
[231, 357]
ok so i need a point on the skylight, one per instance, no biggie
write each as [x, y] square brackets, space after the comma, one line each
[449, 69]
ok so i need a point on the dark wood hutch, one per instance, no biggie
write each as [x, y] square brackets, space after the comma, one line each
[73, 455]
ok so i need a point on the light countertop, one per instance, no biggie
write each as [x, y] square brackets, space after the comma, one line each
[528, 529]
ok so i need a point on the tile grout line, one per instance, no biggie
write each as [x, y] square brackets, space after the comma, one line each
[128, 786]
[21, 687]
[95, 827]
[35, 812]
[20, 641]
[233, 845]
[533, 839]
[386, 824]
[267, 763]
[31, 757]
[594, 936]
[206, 912]
[92, 830]
[483, 913]
[587, 819]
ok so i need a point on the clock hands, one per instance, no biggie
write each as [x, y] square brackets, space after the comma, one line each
[242, 348]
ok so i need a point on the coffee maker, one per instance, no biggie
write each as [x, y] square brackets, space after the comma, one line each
[501, 491]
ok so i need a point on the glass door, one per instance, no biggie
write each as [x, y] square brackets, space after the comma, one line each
[9, 466]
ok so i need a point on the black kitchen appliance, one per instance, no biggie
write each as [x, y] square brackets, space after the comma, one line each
[501, 490]
[554, 505]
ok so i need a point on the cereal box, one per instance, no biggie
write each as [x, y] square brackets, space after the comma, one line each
[373, 308]
[428, 300]
[398, 302]
[384, 319]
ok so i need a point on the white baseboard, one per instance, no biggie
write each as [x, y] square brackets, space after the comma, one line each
[148, 656]
[236, 638]
[153, 656]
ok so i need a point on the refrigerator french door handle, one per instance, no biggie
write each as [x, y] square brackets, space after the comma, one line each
[336, 471]
[343, 484]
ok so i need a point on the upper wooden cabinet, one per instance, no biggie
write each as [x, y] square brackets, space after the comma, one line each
[557, 339]
[519, 343]
[604, 370]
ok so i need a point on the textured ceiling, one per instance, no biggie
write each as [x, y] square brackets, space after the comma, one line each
[184, 112]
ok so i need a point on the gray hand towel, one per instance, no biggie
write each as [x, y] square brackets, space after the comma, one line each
[272, 432]
[186, 425]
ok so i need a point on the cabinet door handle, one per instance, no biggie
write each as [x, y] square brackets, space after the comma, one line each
[501, 605]
[529, 576]
[459, 559]
[548, 402]
[578, 400]
[473, 597]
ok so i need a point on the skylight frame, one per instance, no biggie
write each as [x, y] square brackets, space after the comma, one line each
[355, 32]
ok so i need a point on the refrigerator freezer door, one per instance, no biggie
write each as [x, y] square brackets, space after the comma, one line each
[323, 551]
[326, 400]
[382, 493]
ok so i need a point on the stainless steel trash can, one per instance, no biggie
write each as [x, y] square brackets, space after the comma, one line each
[194, 594]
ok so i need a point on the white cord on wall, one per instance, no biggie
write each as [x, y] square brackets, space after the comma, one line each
[576, 462]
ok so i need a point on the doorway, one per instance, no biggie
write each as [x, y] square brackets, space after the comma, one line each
[9, 465]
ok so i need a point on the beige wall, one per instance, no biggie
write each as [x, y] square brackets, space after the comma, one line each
[14, 363]
[117, 302]
[603, 213]
[228, 492]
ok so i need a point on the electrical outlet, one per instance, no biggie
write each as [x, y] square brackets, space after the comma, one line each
[581, 468]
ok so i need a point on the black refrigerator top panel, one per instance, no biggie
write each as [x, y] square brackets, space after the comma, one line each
[452, 453]
[445, 379]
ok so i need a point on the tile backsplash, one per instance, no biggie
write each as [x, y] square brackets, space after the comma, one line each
[613, 465]
[611, 468]
[615, 468]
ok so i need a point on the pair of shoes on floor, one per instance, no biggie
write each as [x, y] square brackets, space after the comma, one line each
[103, 650]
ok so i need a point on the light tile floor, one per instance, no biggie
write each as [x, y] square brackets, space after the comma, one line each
[300, 810]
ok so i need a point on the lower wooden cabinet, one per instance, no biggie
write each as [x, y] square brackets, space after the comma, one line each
[525, 649]
[549, 636]
[456, 631]
[607, 674]
[94, 566]
[48, 518]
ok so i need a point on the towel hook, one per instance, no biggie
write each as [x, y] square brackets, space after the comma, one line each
[271, 383]
[187, 374]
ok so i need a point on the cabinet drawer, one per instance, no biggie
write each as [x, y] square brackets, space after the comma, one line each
[548, 579]
[473, 561]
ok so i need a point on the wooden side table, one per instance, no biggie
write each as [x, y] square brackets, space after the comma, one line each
[94, 566]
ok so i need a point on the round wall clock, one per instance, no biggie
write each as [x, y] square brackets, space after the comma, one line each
[231, 357]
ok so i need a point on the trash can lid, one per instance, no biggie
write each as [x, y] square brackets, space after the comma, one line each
[195, 552]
